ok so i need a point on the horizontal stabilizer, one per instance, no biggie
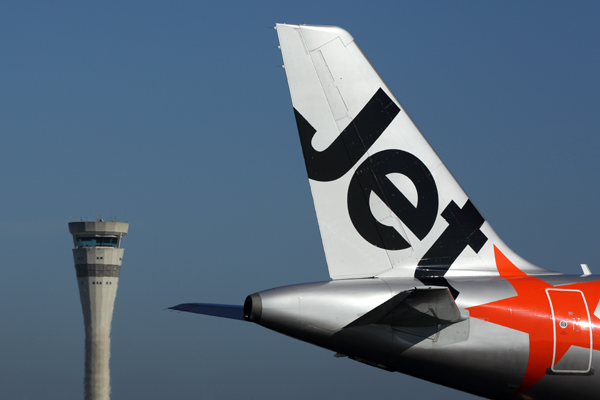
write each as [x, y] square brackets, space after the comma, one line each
[418, 307]
[216, 310]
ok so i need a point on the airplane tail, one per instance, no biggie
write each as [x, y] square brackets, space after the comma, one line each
[385, 202]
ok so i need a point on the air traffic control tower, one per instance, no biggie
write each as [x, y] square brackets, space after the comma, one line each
[98, 256]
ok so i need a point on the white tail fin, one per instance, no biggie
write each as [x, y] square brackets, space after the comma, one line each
[385, 202]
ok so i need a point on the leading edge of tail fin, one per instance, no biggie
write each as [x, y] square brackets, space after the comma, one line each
[386, 204]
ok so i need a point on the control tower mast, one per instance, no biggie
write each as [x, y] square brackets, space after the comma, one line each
[98, 256]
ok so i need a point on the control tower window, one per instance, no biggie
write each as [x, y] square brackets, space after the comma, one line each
[93, 241]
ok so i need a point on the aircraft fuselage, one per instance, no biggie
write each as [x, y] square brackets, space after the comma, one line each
[514, 333]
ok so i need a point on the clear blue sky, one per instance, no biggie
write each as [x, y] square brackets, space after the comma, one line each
[176, 117]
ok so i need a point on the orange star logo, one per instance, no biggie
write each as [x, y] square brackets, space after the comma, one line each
[555, 317]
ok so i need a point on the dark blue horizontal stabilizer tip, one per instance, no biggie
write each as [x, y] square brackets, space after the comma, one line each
[216, 310]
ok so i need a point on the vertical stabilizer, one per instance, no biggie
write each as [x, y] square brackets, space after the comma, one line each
[385, 202]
